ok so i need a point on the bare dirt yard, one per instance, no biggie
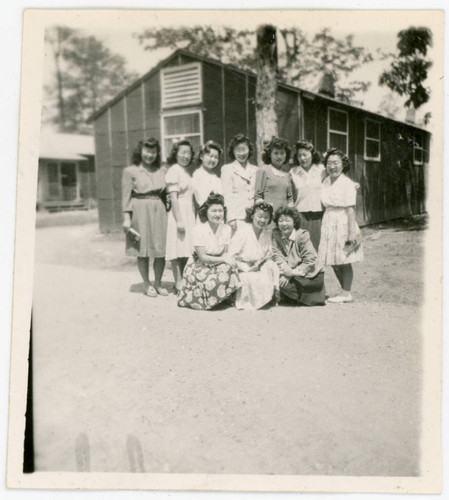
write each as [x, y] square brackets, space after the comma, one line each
[123, 382]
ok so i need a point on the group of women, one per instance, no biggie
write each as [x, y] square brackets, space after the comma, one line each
[247, 237]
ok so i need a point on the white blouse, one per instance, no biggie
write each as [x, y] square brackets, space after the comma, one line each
[203, 183]
[340, 194]
[214, 243]
[308, 188]
[245, 245]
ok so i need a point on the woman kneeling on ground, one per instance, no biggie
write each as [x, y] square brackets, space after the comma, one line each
[251, 247]
[302, 278]
[210, 276]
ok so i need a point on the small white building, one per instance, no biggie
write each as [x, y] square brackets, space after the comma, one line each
[66, 178]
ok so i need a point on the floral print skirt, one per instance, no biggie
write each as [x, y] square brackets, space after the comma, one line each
[203, 286]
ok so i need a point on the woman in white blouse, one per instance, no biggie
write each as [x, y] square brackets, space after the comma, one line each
[307, 176]
[252, 249]
[210, 276]
[238, 180]
[205, 179]
[340, 244]
[181, 217]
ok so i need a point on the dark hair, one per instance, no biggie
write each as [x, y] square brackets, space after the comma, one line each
[316, 158]
[239, 139]
[171, 160]
[263, 205]
[278, 143]
[344, 158]
[208, 146]
[212, 199]
[289, 212]
[148, 143]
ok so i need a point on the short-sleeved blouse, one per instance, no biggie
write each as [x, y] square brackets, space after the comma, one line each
[307, 187]
[178, 180]
[138, 180]
[214, 243]
[203, 183]
[341, 193]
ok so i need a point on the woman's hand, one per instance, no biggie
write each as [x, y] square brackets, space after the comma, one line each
[230, 260]
[283, 281]
[126, 222]
[180, 227]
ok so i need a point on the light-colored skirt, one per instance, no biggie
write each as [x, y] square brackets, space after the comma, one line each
[181, 245]
[257, 288]
[334, 234]
[149, 219]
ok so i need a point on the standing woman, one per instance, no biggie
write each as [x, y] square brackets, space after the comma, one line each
[181, 217]
[143, 190]
[205, 179]
[273, 184]
[307, 176]
[340, 243]
[238, 180]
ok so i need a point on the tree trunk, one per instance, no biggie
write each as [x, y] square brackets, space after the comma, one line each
[61, 103]
[267, 61]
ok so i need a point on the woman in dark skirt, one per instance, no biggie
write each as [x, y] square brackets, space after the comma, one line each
[144, 212]
[301, 277]
[307, 176]
[210, 276]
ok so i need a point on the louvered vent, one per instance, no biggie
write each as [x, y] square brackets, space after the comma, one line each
[181, 85]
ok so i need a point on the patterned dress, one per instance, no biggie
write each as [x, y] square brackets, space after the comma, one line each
[141, 197]
[257, 287]
[336, 198]
[204, 286]
[180, 244]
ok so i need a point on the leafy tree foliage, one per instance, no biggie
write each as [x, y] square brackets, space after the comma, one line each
[409, 70]
[302, 60]
[86, 75]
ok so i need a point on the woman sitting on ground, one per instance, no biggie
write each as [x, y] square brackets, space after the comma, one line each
[301, 277]
[210, 276]
[251, 247]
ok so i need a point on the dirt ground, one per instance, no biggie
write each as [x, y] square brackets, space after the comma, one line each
[123, 382]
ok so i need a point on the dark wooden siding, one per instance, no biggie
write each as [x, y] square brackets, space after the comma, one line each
[391, 188]
[135, 119]
[152, 92]
[213, 117]
[288, 115]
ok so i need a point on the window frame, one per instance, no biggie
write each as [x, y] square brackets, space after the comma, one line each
[179, 112]
[418, 148]
[338, 132]
[373, 139]
[169, 69]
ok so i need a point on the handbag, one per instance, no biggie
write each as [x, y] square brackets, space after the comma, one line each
[165, 197]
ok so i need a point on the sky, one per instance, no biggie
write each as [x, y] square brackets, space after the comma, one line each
[119, 38]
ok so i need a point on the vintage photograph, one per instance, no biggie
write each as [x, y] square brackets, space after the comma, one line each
[228, 252]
